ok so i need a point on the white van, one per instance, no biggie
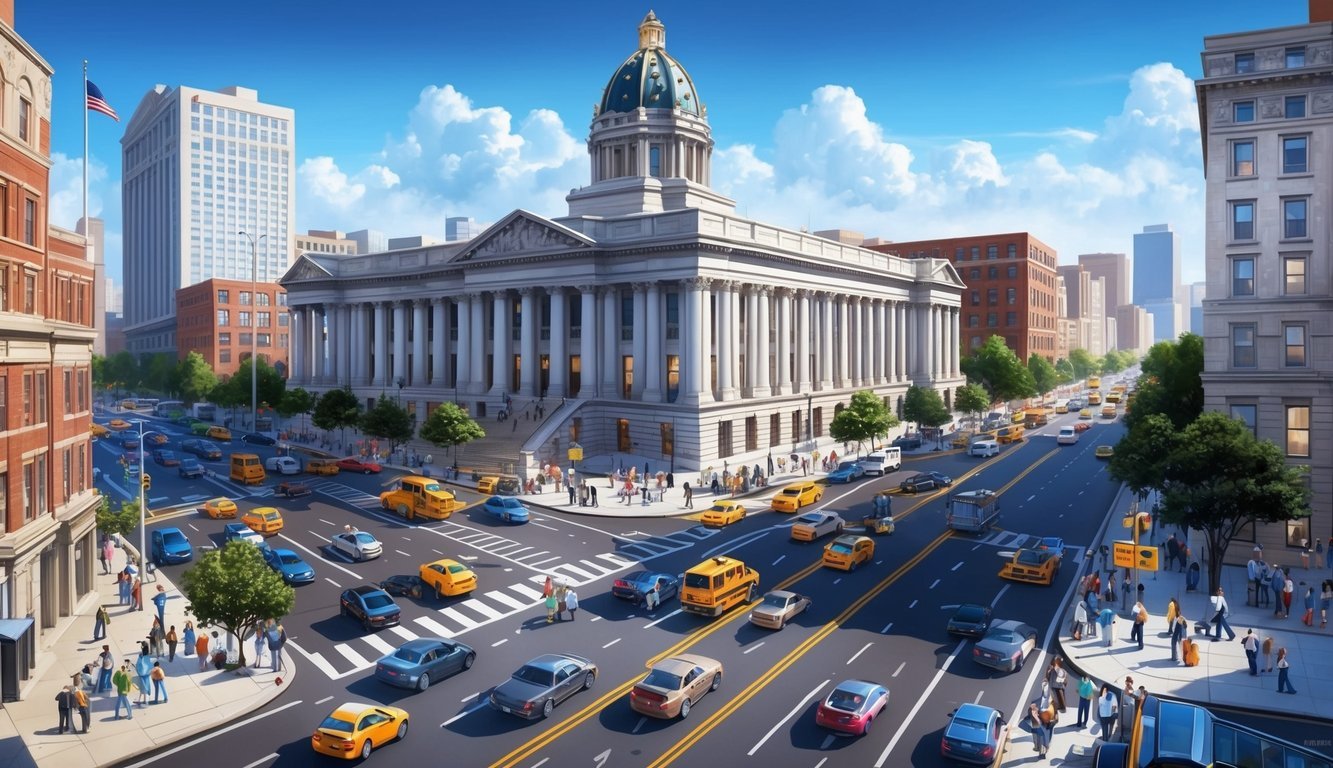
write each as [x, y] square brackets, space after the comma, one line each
[283, 465]
[882, 461]
[984, 448]
[1067, 436]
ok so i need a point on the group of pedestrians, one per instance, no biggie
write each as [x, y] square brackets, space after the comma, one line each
[559, 599]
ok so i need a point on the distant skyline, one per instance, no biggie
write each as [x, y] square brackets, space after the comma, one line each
[1074, 122]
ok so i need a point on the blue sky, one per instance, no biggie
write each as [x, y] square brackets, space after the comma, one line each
[1075, 121]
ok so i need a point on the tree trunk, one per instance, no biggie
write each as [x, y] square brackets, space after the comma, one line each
[1216, 551]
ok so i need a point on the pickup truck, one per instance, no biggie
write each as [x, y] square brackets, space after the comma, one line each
[292, 488]
[973, 511]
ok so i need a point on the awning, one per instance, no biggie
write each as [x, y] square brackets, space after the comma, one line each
[13, 629]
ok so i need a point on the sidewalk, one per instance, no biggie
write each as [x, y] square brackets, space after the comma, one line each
[1222, 677]
[198, 700]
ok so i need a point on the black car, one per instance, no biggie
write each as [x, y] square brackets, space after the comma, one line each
[970, 620]
[190, 468]
[405, 586]
[908, 442]
[369, 605]
[202, 449]
[254, 438]
[925, 481]
[633, 586]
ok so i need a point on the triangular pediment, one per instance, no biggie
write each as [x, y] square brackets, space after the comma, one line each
[522, 232]
[306, 268]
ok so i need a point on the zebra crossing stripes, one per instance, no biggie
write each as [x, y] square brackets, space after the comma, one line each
[379, 644]
[358, 661]
[433, 627]
[504, 599]
[528, 592]
[656, 546]
[406, 634]
[346, 494]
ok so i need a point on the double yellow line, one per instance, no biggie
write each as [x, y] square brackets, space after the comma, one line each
[754, 688]
[527, 750]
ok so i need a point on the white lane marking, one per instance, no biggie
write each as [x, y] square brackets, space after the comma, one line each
[780, 559]
[262, 760]
[458, 616]
[322, 520]
[1030, 498]
[789, 716]
[436, 551]
[913, 605]
[482, 608]
[858, 653]
[313, 553]
[978, 698]
[639, 725]
[546, 760]
[357, 659]
[321, 701]
[401, 552]
[407, 538]
[537, 565]
[239, 724]
[196, 530]
[956, 567]
[835, 581]
[925, 695]
[899, 669]
[732, 545]
[404, 633]
[820, 764]
[526, 591]
[828, 742]
[501, 597]
[886, 629]
[334, 583]
[547, 527]
[613, 642]
[595, 618]
[463, 714]
[935, 584]
[379, 644]
[754, 647]
[466, 699]
[499, 643]
[664, 618]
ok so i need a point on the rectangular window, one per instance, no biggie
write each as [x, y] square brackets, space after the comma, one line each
[992, 251]
[39, 396]
[1242, 112]
[1012, 251]
[224, 355]
[224, 318]
[29, 491]
[1293, 276]
[993, 273]
[69, 391]
[245, 298]
[284, 320]
[1248, 413]
[976, 253]
[976, 298]
[27, 399]
[1293, 341]
[224, 296]
[1011, 296]
[1294, 156]
[1013, 272]
[1293, 107]
[1242, 221]
[1293, 217]
[1244, 63]
[265, 319]
[265, 340]
[30, 221]
[992, 296]
[1242, 346]
[244, 318]
[1011, 319]
[992, 320]
[1295, 57]
[1242, 158]
[1242, 276]
[1298, 430]
[262, 299]
[29, 294]
[245, 339]
[224, 339]
[65, 464]
[25, 118]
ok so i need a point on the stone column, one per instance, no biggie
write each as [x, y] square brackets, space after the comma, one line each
[763, 385]
[611, 373]
[399, 343]
[751, 299]
[478, 343]
[297, 315]
[866, 340]
[527, 342]
[653, 389]
[783, 298]
[347, 350]
[559, 356]
[955, 352]
[706, 340]
[901, 345]
[727, 328]
[876, 336]
[692, 339]
[331, 331]
[321, 354]
[842, 377]
[828, 355]
[936, 341]
[589, 349]
[855, 341]
[357, 347]
[500, 343]
[439, 343]
[466, 334]
[639, 345]
[420, 369]
[803, 341]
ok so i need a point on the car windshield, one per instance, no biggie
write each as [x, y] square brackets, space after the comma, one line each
[535, 675]
[332, 723]
[289, 558]
[377, 601]
[791, 491]
[408, 655]
[970, 613]
[173, 537]
[660, 679]
[846, 465]
[717, 508]
[432, 486]
[775, 601]
[847, 701]
[364, 538]
[697, 580]
[1001, 636]
[456, 568]
[810, 519]
[841, 549]
[272, 515]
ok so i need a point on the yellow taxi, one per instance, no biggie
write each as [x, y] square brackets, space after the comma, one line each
[97, 430]
[845, 553]
[448, 578]
[1086, 413]
[486, 485]
[220, 507]
[723, 513]
[155, 438]
[354, 730]
[1035, 566]
[1017, 417]
[797, 495]
[265, 520]
[1094, 398]
[1108, 411]
[219, 433]
[118, 424]
[1105, 452]
[1062, 408]
[321, 467]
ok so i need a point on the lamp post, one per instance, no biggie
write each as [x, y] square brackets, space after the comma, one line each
[143, 514]
[401, 382]
[254, 327]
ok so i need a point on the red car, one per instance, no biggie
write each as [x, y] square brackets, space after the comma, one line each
[353, 464]
[1082, 426]
[852, 706]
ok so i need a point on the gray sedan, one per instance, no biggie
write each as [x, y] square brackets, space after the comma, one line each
[533, 691]
[1006, 646]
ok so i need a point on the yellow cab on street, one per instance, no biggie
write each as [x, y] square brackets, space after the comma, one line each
[1035, 566]
[449, 578]
[321, 467]
[792, 497]
[354, 730]
[845, 553]
[219, 433]
[415, 496]
[717, 584]
[97, 430]
[264, 520]
[118, 424]
[1010, 434]
[723, 513]
[220, 507]
[1108, 411]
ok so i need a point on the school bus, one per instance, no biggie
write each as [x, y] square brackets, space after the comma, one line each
[717, 584]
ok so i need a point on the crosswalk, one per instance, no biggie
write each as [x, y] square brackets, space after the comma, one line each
[346, 494]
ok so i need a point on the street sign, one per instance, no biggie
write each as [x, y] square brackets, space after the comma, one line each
[1127, 555]
[576, 453]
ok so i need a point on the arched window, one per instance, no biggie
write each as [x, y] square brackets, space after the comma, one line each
[25, 129]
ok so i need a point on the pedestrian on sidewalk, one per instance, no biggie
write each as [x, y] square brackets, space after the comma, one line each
[1179, 628]
[277, 638]
[1172, 611]
[85, 678]
[1056, 676]
[1107, 621]
[1308, 618]
[551, 604]
[1305, 554]
[689, 495]
[156, 637]
[572, 494]
[160, 601]
[1080, 620]
[101, 556]
[103, 621]
[572, 604]
[64, 704]
[108, 554]
[592, 494]
[1140, 619]
[159, 686]
[1129, 700]
[81, 703]
[1220, 614]
[122, 682]
[1172, 550]
[143, 666]
[188, 638]
[1093, 613]
[583, 494]
[1036, 723]
[201, 648]
[1319, 562]
[107, 663]
[1107, 709]
[123, 587]
[1086, 692]
[1277, 580]
[1325, 597]
[136, 594]
[1283, 677]
[259, 642]
[1251, 646]
[1124, 592]
[1267, 649]
[1288, 587]
[172, 640]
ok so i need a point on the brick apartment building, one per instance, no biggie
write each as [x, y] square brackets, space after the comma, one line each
[216, 317]
[47, 502]
[1011, 288]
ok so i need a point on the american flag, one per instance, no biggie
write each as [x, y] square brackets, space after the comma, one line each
[98, 104]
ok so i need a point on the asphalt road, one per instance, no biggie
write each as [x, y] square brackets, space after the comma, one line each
[884, 623]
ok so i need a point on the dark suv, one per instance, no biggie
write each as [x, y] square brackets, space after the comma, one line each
[371, 606]
[908, 442]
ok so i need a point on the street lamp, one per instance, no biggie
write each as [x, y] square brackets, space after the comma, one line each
[143, 515]
[254, 327]
[401, 382]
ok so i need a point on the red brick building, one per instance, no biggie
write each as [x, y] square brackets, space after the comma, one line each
[216, 317]
[47, 502]
[1011, 288]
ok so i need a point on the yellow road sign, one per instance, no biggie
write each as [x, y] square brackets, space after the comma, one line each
[1127, 555]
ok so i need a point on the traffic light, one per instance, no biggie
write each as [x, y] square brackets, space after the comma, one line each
[146, 481]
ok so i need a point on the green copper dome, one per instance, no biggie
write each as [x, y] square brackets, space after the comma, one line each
[650, 78]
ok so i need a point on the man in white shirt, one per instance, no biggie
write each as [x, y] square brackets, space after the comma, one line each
[1220, 613]
[1251, 645]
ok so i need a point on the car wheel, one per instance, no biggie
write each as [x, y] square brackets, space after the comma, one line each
[365, 624]
[365, 749]
[717, 682]
[403, 511]
[423, 683]
[402, 730]
[865, 729]
[840, 529]
[548, 707]
[588, 680]
[854, 564]
[439, 591]
[469, 660]
[684, 708]
[365, 471]
[752, 594]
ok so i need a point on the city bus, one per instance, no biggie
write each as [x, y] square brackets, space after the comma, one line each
[169, 408]
[139, 403]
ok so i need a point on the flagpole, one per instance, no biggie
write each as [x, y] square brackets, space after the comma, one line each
[87, 240]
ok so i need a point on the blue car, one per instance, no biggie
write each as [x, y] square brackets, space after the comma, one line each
[371, 606]
[633, 586]
[255, 438]
[418, 663]
[190, 468]
[293, 569]
[170, 547]
[506, 508]
[846, 472]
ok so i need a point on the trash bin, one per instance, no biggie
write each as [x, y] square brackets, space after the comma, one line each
[17, 654]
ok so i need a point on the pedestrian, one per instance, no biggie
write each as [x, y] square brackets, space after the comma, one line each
[108, 554]
[1288, 587]
[1172, 611]
[123, 587]
[1308, 618]
[1128, 701]
[1080, 619]
[1253, 572]
[107, 665]
[1093, 613]
[259, 642]
[159, 686]
[201, 648]
[571, 495]
[122, 682]
[551, 605]
[1172, 549]
[1140, 619]
[1124, 592]
[572, 604]
[1319, 562]
[1086, 692]
[156, 636]
[592, 494]
[1179, 628]
[81, 702]
[1107, 709]
[1220, 614]
[172, 640]
[187, 637]
[1283, 674]
[1267, 649]
[143, 666]
[651, 598]
[583, 494]
[101, 556]
[1305, 554]
[84, 679]
[160, 600]
[1276, 582]
[1251, 646]
[277, 638]
[1057, 676]
[1041, 738]
[65, 704]
[1107, 621]
[215, 652]
[136, 594]
[689, 495]
[548, 588]
[102, 622]
[1325, 597]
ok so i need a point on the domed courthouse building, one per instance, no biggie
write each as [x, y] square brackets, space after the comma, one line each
[651, 320]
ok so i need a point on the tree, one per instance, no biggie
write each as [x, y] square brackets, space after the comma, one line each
[1064, 371]
[865, 418]
[1141, 454]
[120, 522]
[337, 409]
[270, 385]
[195, 378]
[1082, 363]
[123, 370]
[1219, 479]
[1172, 382]
[971, 398]
[449, 425]
[1116, 361]
[158, 372]
[233, 588]
[995, 367]
[388, 420]
[1043, 373]
[296, 401]
[925, 407]
[99, 367]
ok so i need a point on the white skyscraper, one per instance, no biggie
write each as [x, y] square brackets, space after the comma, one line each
[460, 228]
[199, 168]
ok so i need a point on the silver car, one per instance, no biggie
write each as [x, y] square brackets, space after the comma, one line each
[358, 545]
[778, 608]
[533, 691]
[1006, 646]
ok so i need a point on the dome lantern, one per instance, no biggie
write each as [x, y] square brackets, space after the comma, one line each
[652, 33]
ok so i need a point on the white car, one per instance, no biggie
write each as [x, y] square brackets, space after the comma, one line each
[283, 465]
[813, 525]
[357, 545]
[1067, 436]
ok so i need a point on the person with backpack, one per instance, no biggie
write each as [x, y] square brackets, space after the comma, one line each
[103, 621]
[1107, 709]
[81, 703]
[1056, 677]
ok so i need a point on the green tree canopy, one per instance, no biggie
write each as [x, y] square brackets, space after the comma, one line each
[121, 521]
[1116, 361]
[449, 426]
[925, 407]
[1083, 364]
[157, 372]
[122, 370]
[1219, 479]
[270, 385]
[99, 367]
[195, 378]
[388, 420]
[1064, 371]
[295, 401]
[233, 588]
[865, 418]
[1043, 373]
[996, 368]
[971, 398]
[229, 393]
[337, 409]
[1141, 454]
[1172, 382]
